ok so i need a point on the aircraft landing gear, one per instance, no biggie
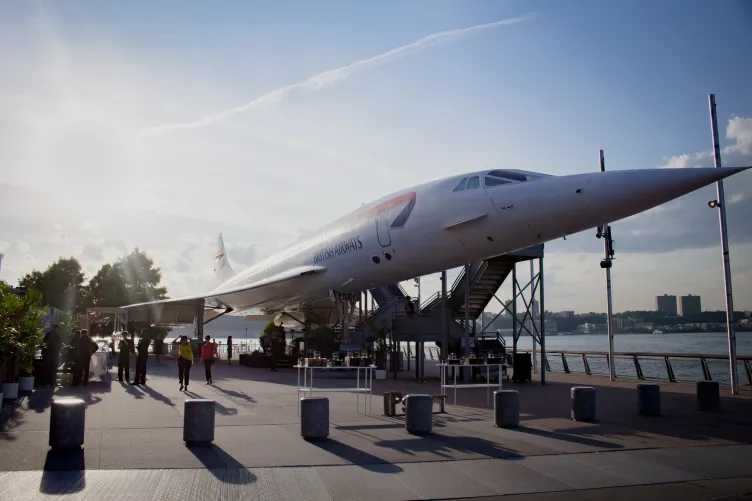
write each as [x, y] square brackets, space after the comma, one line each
[345, 304]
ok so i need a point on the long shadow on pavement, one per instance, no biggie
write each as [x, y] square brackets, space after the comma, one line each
[157, 396]
[226, 411]
[567, 437]
[356, 456]
[446, 446]
[64, 472]
[222, 465]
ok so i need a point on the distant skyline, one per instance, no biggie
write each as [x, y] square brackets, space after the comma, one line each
[158, 125]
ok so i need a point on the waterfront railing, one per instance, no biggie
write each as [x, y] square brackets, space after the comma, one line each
[674, 367]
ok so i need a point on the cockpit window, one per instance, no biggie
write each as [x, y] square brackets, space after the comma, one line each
[461, 186]
[473, 182]
[511, 175]
[495, 181]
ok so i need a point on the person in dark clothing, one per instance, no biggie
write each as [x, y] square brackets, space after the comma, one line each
[86, 348]
[143, 353]
[229, 350]
[124, 358]
[275, 347]
[409, 306]
[72, 357]
[158, 348]
[51, 355]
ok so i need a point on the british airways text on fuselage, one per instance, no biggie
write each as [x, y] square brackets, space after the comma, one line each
[338, 249]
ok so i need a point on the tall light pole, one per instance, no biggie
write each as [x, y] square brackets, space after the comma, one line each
[608, 251]
[721, 205]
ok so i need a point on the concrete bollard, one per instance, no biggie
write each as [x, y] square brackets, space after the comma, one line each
[708, 396]
[418, 414]
[67, 423]
[314, 418]
[198, 421]
[583, 403]
[649, 399]
[506, 408]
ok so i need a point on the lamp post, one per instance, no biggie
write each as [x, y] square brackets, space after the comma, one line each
[606, 263]
[720, 204]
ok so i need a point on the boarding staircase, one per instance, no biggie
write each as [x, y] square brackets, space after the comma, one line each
[388, 294]
[485, 279]
[426, 325]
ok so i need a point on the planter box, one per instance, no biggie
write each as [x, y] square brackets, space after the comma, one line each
[26, 383]
[10, 391]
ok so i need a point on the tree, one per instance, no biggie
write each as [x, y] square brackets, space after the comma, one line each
[61, 285]
[132, 279]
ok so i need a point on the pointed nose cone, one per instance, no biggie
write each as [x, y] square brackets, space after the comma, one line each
[621, 194]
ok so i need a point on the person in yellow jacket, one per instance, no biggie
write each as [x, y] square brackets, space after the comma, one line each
[185, 360]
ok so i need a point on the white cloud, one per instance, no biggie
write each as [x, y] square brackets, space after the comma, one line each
[740, 129]
[332, 77]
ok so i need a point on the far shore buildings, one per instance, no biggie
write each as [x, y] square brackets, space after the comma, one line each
[666, 304]
[690, 305]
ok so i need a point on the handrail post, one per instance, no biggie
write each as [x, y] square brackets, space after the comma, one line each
[638, 369]
[669, 370]
[705, 369]
[586, 364]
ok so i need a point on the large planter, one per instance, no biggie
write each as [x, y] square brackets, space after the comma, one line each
[379, 373]
[26, 383]
[10, 391]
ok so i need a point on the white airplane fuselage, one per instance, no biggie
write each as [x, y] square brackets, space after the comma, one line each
[433, 226]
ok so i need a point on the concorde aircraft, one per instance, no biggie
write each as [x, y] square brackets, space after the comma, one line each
[431, 227]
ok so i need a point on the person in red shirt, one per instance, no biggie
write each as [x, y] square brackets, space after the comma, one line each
[208, 352]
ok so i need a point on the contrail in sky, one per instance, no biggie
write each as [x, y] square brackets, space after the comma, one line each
[334, 76]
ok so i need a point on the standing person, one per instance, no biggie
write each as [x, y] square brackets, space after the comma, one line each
[275, 344]
[86, 348]
[158, 348]
[73, 351]
[51, 355]
[143, 354]
[229, 350]
[185, 360]
[124, 358]
[208, 352]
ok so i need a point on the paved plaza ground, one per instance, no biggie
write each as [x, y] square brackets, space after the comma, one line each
[134, 449]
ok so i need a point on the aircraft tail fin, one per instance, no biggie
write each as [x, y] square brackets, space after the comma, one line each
[222, 269]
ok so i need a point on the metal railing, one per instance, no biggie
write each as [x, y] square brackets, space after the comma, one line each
[474, 274]
[674, 367]
[492, 335]
[238, 348]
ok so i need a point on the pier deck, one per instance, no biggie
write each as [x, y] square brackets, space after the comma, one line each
[134, 447]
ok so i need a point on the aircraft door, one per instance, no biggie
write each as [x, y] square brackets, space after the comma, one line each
[382, 228]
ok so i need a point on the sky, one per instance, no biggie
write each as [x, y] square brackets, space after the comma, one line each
[159, 124]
